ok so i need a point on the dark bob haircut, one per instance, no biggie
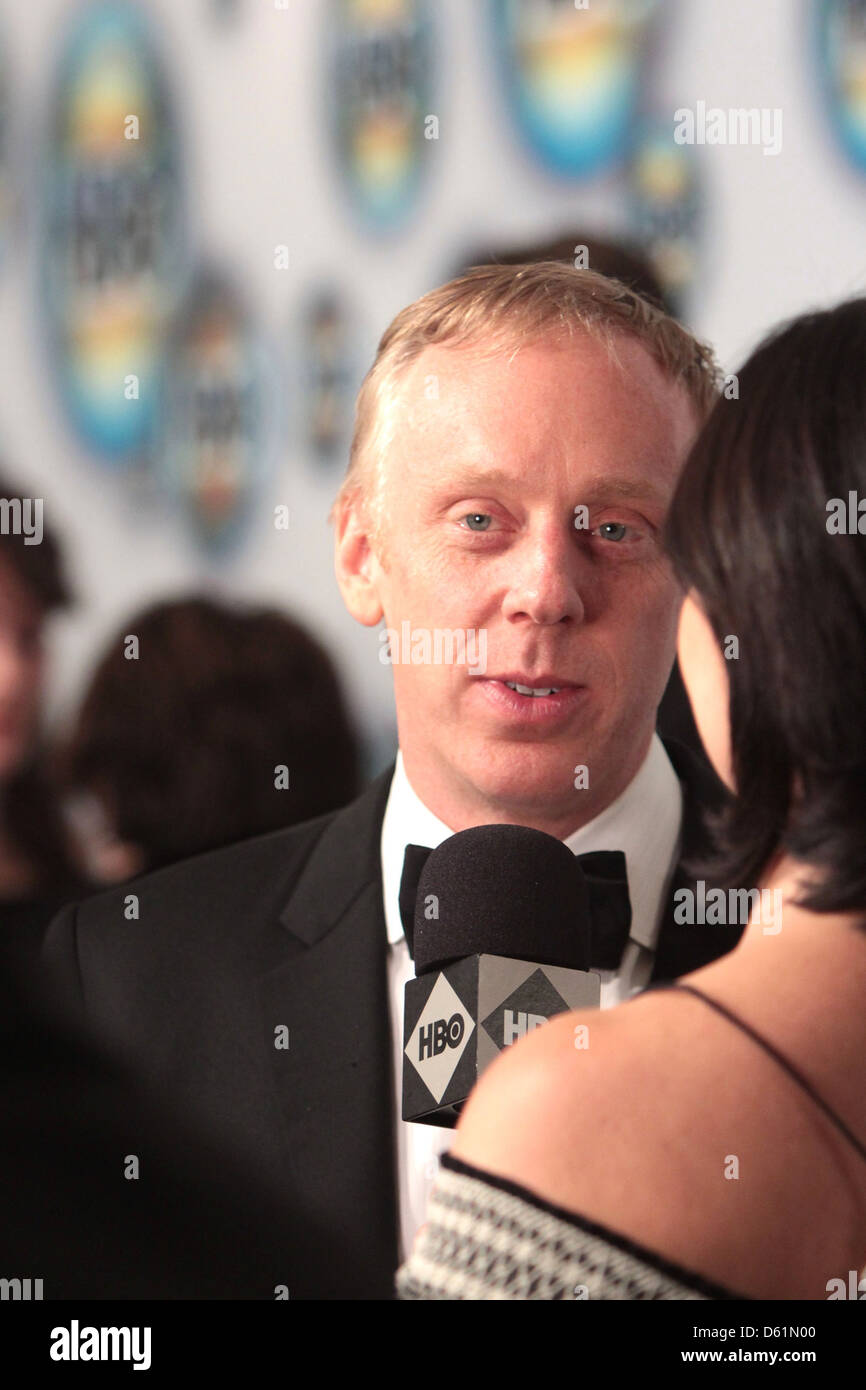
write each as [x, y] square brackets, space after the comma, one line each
[39, 567]
[749, 531]
[182, 744]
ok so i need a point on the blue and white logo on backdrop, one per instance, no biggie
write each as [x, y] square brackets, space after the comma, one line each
[665, 199]
[326, 379]
[379, 95]
[7, 198]
[840, 27]
[217, 420]
[571, 75]
[113, 252]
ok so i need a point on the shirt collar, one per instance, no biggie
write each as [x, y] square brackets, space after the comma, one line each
[644, 822]
[407, 822]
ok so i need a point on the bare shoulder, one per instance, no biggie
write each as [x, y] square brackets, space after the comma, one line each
[659, 1121]
[552, 1099]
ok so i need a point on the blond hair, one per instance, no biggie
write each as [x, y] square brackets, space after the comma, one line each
[497, 304]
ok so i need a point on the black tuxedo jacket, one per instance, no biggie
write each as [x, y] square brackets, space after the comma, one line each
[287, 932]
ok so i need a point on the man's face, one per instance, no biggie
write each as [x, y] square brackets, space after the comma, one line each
[489, 458]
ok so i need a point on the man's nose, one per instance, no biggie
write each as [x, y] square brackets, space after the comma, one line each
[544, 579]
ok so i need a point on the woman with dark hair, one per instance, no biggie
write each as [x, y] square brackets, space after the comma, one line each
[38, 872]
[710, 1141]
[178, 743]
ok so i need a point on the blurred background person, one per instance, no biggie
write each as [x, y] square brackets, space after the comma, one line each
[180, 750]
[204, 1221]
[39, 870]
[618, 260]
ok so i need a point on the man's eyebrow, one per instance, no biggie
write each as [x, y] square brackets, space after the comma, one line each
[477, 480]
[637, 489]
[480, 480]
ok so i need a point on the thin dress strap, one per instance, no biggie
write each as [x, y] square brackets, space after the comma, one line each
[783, 1062]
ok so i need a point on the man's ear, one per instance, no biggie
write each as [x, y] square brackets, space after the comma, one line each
[355, 563]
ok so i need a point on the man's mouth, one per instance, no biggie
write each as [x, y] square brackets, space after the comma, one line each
[538, 700]
[535, 684]
[534, 691]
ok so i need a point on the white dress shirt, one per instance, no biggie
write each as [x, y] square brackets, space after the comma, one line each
[644, 822]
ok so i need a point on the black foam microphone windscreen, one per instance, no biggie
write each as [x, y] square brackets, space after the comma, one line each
[503, 890]
[502, 934]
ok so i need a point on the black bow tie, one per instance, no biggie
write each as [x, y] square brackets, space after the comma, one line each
[605, 876]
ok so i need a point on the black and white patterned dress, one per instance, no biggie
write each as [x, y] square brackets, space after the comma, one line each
[488, 1238]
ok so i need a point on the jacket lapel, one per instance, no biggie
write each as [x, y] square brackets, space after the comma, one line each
[333, 1084]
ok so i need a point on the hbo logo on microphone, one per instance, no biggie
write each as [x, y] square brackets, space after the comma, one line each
[439, 1034]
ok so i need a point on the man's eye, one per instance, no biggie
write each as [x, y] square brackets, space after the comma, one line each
[478, 521]
[613, 530]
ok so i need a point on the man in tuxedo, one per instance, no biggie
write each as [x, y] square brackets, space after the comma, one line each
[517, 442]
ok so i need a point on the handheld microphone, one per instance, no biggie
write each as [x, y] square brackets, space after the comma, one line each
[502, 942]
